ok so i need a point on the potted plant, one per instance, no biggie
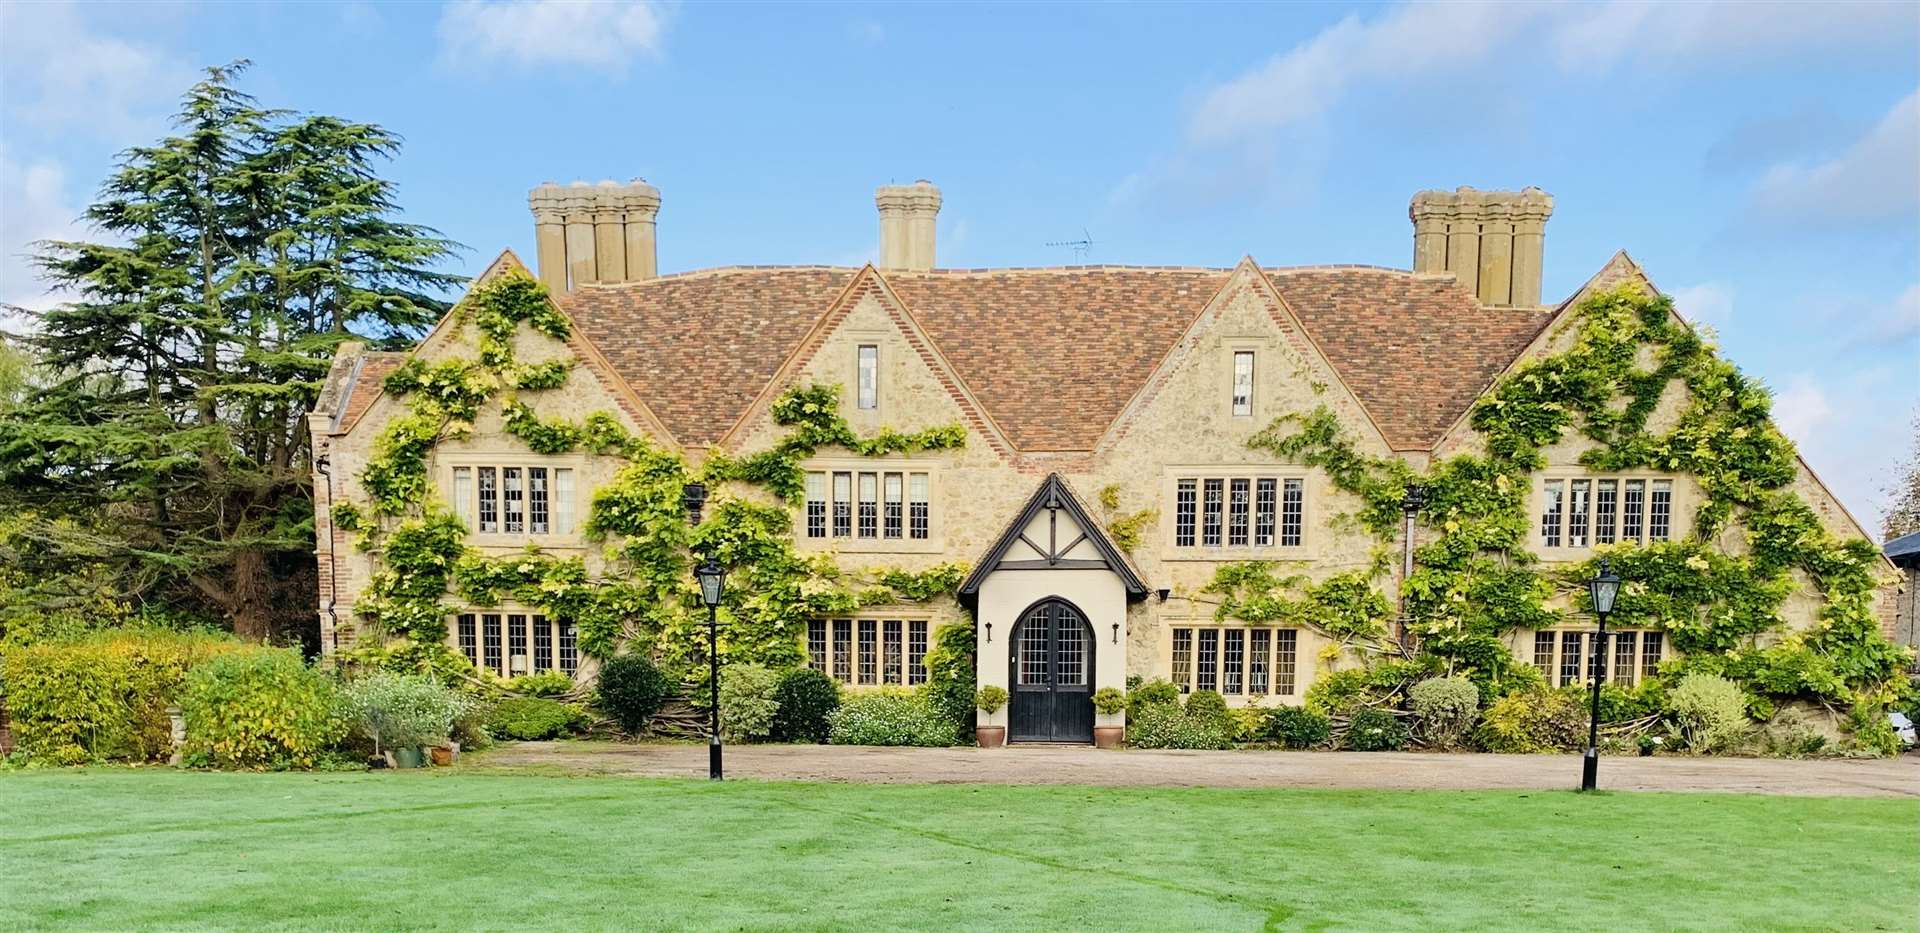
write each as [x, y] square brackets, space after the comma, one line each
[1109, 702]
[403, 714]
[990, 699]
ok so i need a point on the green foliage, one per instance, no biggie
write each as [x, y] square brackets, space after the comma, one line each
[1156, 692]
[1109, 701]
[1444, 709]
[545, 684]
[498, 307]
[806, 697]
[1208, 705]
[540, 377]
[1344, 606]
[1710, 712]
[1532, 721]
[1375, 730]
[1477, 582]
[534, 719]
[812, 413]
[950, 675]
[401, 710]
[165, 454]
[1296, 727]
[1124, 529]
[748, 702]
[1379, 684]
[889, 717]
[1164, 725]
[936, 581]
[630, 691]
[258, 708]
[990, 698]
[102, 697]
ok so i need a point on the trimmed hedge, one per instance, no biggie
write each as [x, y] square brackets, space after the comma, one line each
[631, 690]
[533, 719]
[102, 697]
[259, 708]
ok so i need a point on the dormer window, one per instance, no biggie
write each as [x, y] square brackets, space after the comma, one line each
[868, 394]
[1242, 383]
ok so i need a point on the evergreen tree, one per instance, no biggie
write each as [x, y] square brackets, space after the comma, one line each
[169, 441]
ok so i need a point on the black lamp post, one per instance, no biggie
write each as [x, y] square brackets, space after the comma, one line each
[1602, 588]
[712, 579]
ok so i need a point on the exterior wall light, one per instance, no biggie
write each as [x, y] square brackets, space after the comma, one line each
[693, 498]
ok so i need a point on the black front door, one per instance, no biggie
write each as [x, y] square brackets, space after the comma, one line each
[1051, 666]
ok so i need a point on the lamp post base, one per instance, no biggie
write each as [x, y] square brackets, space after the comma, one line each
[713, 760]
[1590, 769]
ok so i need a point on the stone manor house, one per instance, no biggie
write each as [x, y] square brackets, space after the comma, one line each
[1135, 384]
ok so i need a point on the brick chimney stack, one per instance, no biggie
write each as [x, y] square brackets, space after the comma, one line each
[1491, 241]
[587, 234]
[907, 214]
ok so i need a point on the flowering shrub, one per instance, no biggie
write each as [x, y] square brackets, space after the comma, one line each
[1531, 721]
[888, 717]
[102, 697]
[1709, 711]
[1165, 725]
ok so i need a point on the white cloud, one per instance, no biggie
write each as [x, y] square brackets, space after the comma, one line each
[1709, 303]
[1901, 323]
[63, 72]
[1876, 180]
[1802, 410]
[1683, 34]
[477, 34]
[1411, 42]
[34, 205]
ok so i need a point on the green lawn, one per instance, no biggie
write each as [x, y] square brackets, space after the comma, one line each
[127, 849]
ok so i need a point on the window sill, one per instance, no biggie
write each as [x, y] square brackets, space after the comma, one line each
[520, 542]
[1290, 552]
[871, 545]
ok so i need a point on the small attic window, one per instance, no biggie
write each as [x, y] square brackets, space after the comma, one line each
[868, 361]
[1243, 383]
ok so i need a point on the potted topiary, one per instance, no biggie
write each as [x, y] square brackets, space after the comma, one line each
[1111, 704]
[990, 699]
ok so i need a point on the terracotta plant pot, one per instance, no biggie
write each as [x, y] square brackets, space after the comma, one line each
[1108, 736]
[990, 736]
[442, 755]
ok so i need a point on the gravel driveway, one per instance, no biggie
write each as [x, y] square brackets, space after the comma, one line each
[1134, 768]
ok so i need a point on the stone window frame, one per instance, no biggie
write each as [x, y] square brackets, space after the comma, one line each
[1552, 662]
[933, 543]
[469, 641]
[908, 632]
[1172, 550]
[1174, 650]
[1679, 523]
[443, 474]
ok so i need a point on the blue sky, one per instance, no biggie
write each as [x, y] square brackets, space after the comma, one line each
[1761, 161]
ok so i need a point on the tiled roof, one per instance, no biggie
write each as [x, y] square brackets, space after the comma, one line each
[1416, 349]
[698, 348]
[366, 379]
[1053, 355]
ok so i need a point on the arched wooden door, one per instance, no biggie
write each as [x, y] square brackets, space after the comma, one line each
[1051, 664]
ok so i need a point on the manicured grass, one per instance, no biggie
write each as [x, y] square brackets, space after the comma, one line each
[123, 849]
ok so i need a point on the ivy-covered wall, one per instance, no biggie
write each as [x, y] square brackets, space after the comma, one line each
[1771, 592]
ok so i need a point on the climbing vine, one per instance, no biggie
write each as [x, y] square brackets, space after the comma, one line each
[645, 595]
[1716, 592]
